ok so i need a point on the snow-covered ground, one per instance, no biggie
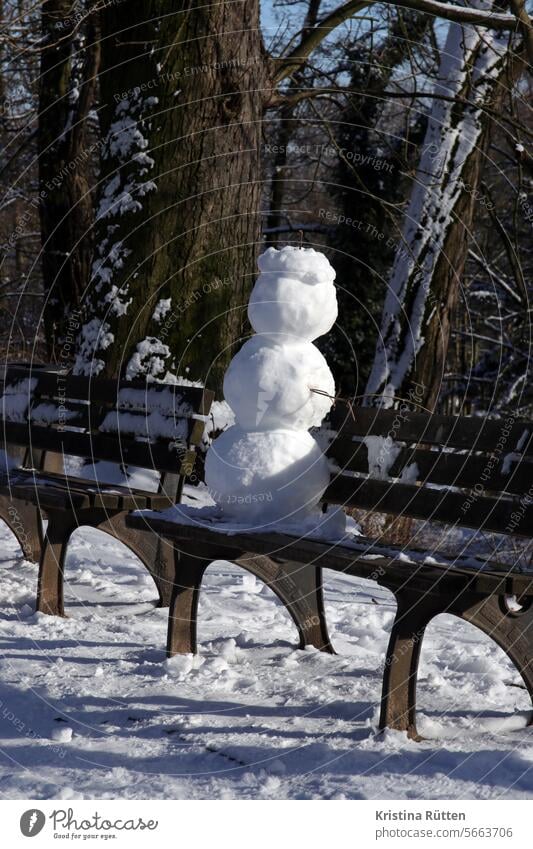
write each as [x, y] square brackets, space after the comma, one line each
[90, 708]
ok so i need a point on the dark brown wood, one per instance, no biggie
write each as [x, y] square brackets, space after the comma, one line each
[512, 631]
[59, 491]
[24, 520]
[398, 700]
[174, 457]
[50, 598]
[470, 433]
[115, 425]
[422, 591]
[362, 558]
[445, 468]
[297, 585]
[103, 391]
[70, 501]
[500, 514]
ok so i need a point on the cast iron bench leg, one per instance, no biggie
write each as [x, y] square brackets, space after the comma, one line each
[61, 524]
[156, 554]
[398, 701]
[299, 588]
[24, 520]
[183, 608]
[512, 631]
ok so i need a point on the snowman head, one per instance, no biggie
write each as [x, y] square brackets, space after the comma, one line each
[303, 264]
[294, 298]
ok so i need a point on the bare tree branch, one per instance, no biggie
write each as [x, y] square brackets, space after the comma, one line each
[286, 65]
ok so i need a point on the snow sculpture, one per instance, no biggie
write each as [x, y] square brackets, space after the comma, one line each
[267, 468]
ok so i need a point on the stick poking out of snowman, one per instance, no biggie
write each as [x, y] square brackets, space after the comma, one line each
[267, 469]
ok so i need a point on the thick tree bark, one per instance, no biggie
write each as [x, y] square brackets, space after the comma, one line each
[178, 221]
[66, 92]
[426, 276]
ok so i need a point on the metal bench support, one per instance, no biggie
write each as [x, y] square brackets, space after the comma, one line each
[512, 631]
[299, 588]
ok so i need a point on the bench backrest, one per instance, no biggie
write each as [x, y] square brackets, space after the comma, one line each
[471, 471]
[149, 425]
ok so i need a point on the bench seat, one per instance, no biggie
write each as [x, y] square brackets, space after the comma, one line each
[496, 598]
[52, 491]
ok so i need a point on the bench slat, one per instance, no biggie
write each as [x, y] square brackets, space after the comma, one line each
[366, 559]
[460, 470]
[477, 434]
[104, 391]
[179, 459]
[439, 505]
[51, 489]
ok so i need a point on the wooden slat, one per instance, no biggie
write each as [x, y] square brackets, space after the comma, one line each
[439, 505]
[446, 468]
[104, 391]
[56, 490]
[103, 494]
[364, 559]
[101, 447]
[477, 434]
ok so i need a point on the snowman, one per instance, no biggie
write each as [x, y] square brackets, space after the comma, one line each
[267, 469]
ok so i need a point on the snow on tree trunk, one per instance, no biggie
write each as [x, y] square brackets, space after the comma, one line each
[179, 205]
[425, 278]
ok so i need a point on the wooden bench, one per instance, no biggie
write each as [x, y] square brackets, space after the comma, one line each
[464, 472]
[50, 415]
[46, 415]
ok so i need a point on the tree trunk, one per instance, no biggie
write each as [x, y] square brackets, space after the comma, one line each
[178, 220]
[66, 92]
[426, 276]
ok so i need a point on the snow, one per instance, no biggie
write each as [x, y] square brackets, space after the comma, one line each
[307, 266]
[382, 452]
[250, 717]
[16, 399]
[410, 473]
[94, 336]
[290, 310]
[267, 467]
[104, 471]
[48, 413]
[153, 426]
[165, 401]
[516, 455]
[221, 416]
[148, 359]
[330, 526]
[161, 309]
[269, 385]
[263, 477]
